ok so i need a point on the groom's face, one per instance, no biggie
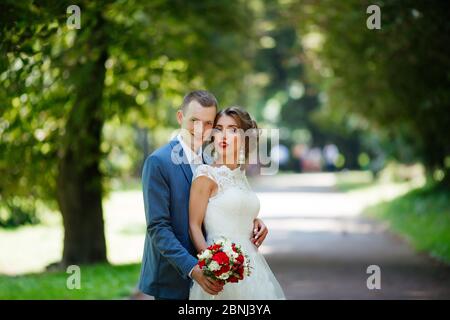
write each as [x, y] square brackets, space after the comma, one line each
[197, 121]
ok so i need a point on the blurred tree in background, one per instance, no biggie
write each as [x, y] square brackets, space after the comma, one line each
[393, 83]
[79, 107]
[130, 62]
[284, 95]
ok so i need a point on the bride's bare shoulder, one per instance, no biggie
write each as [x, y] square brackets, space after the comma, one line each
[204, 175]
[203, 183]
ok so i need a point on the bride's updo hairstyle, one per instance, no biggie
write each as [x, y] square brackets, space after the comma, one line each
[245, 123]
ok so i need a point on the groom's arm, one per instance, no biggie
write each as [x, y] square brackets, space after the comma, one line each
[159, 227]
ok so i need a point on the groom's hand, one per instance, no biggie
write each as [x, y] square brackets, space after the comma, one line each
[260, 232]
[209, 285]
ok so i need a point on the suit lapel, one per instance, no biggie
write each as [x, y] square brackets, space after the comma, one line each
[185, 166]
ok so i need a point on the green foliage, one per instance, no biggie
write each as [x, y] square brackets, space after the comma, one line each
[396, 78]
[156, 52]
[423, 217]
[384, 91]
[283, 95]
[17, 212]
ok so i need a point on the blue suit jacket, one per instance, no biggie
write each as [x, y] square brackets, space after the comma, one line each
[169, 254]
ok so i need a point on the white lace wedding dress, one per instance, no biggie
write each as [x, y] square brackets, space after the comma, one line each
[230, 213]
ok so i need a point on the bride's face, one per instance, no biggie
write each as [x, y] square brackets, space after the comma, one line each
[227, 139]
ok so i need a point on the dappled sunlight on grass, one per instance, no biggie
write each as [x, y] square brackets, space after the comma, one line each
[298, 197]
[351, 180]
[32, 248]
[125, 226]
[422, 217]
[97, 282]
[29, 248]
[308, 216]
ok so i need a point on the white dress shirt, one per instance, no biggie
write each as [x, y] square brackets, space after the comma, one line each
[195, 159]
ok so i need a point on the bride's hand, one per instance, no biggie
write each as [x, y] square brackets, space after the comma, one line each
[209, 285]
[260, 232]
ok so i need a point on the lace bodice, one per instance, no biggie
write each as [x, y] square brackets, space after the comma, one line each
[233, 208]
[224, 177]
[230, 213]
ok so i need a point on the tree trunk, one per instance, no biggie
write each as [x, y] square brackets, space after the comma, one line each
[79, 180]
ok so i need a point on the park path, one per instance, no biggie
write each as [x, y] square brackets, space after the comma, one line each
[319, 245]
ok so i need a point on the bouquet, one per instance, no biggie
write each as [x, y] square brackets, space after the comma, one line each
[224, 261]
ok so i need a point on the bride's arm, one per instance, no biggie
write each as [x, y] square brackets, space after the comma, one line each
[201, 189]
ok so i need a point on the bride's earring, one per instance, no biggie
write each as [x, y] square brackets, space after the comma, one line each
[241, 156]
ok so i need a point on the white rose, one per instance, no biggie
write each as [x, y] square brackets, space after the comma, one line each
[214, 266]
[206, 254]
[224, 276]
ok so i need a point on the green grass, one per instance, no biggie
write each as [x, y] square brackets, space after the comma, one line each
[422, 216]
[354, 180]
[101, 281]
[32, 248]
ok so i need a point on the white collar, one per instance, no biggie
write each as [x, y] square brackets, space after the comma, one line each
[192, 157]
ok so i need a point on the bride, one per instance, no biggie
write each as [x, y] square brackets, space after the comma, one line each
[222, 202]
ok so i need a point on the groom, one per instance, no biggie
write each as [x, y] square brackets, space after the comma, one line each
[169, 263]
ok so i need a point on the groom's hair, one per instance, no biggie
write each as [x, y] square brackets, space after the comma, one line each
[205, 98]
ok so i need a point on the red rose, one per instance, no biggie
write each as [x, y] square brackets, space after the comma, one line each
[225, 268]
[233, 279]
[201, 264]
[221, 258]
[241, 272]
[222, 270]
[240, 258]
[214, 247]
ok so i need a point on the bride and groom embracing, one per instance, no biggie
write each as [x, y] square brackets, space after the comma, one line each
[191, 203]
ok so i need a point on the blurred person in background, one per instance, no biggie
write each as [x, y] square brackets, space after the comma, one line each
[330, 156]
